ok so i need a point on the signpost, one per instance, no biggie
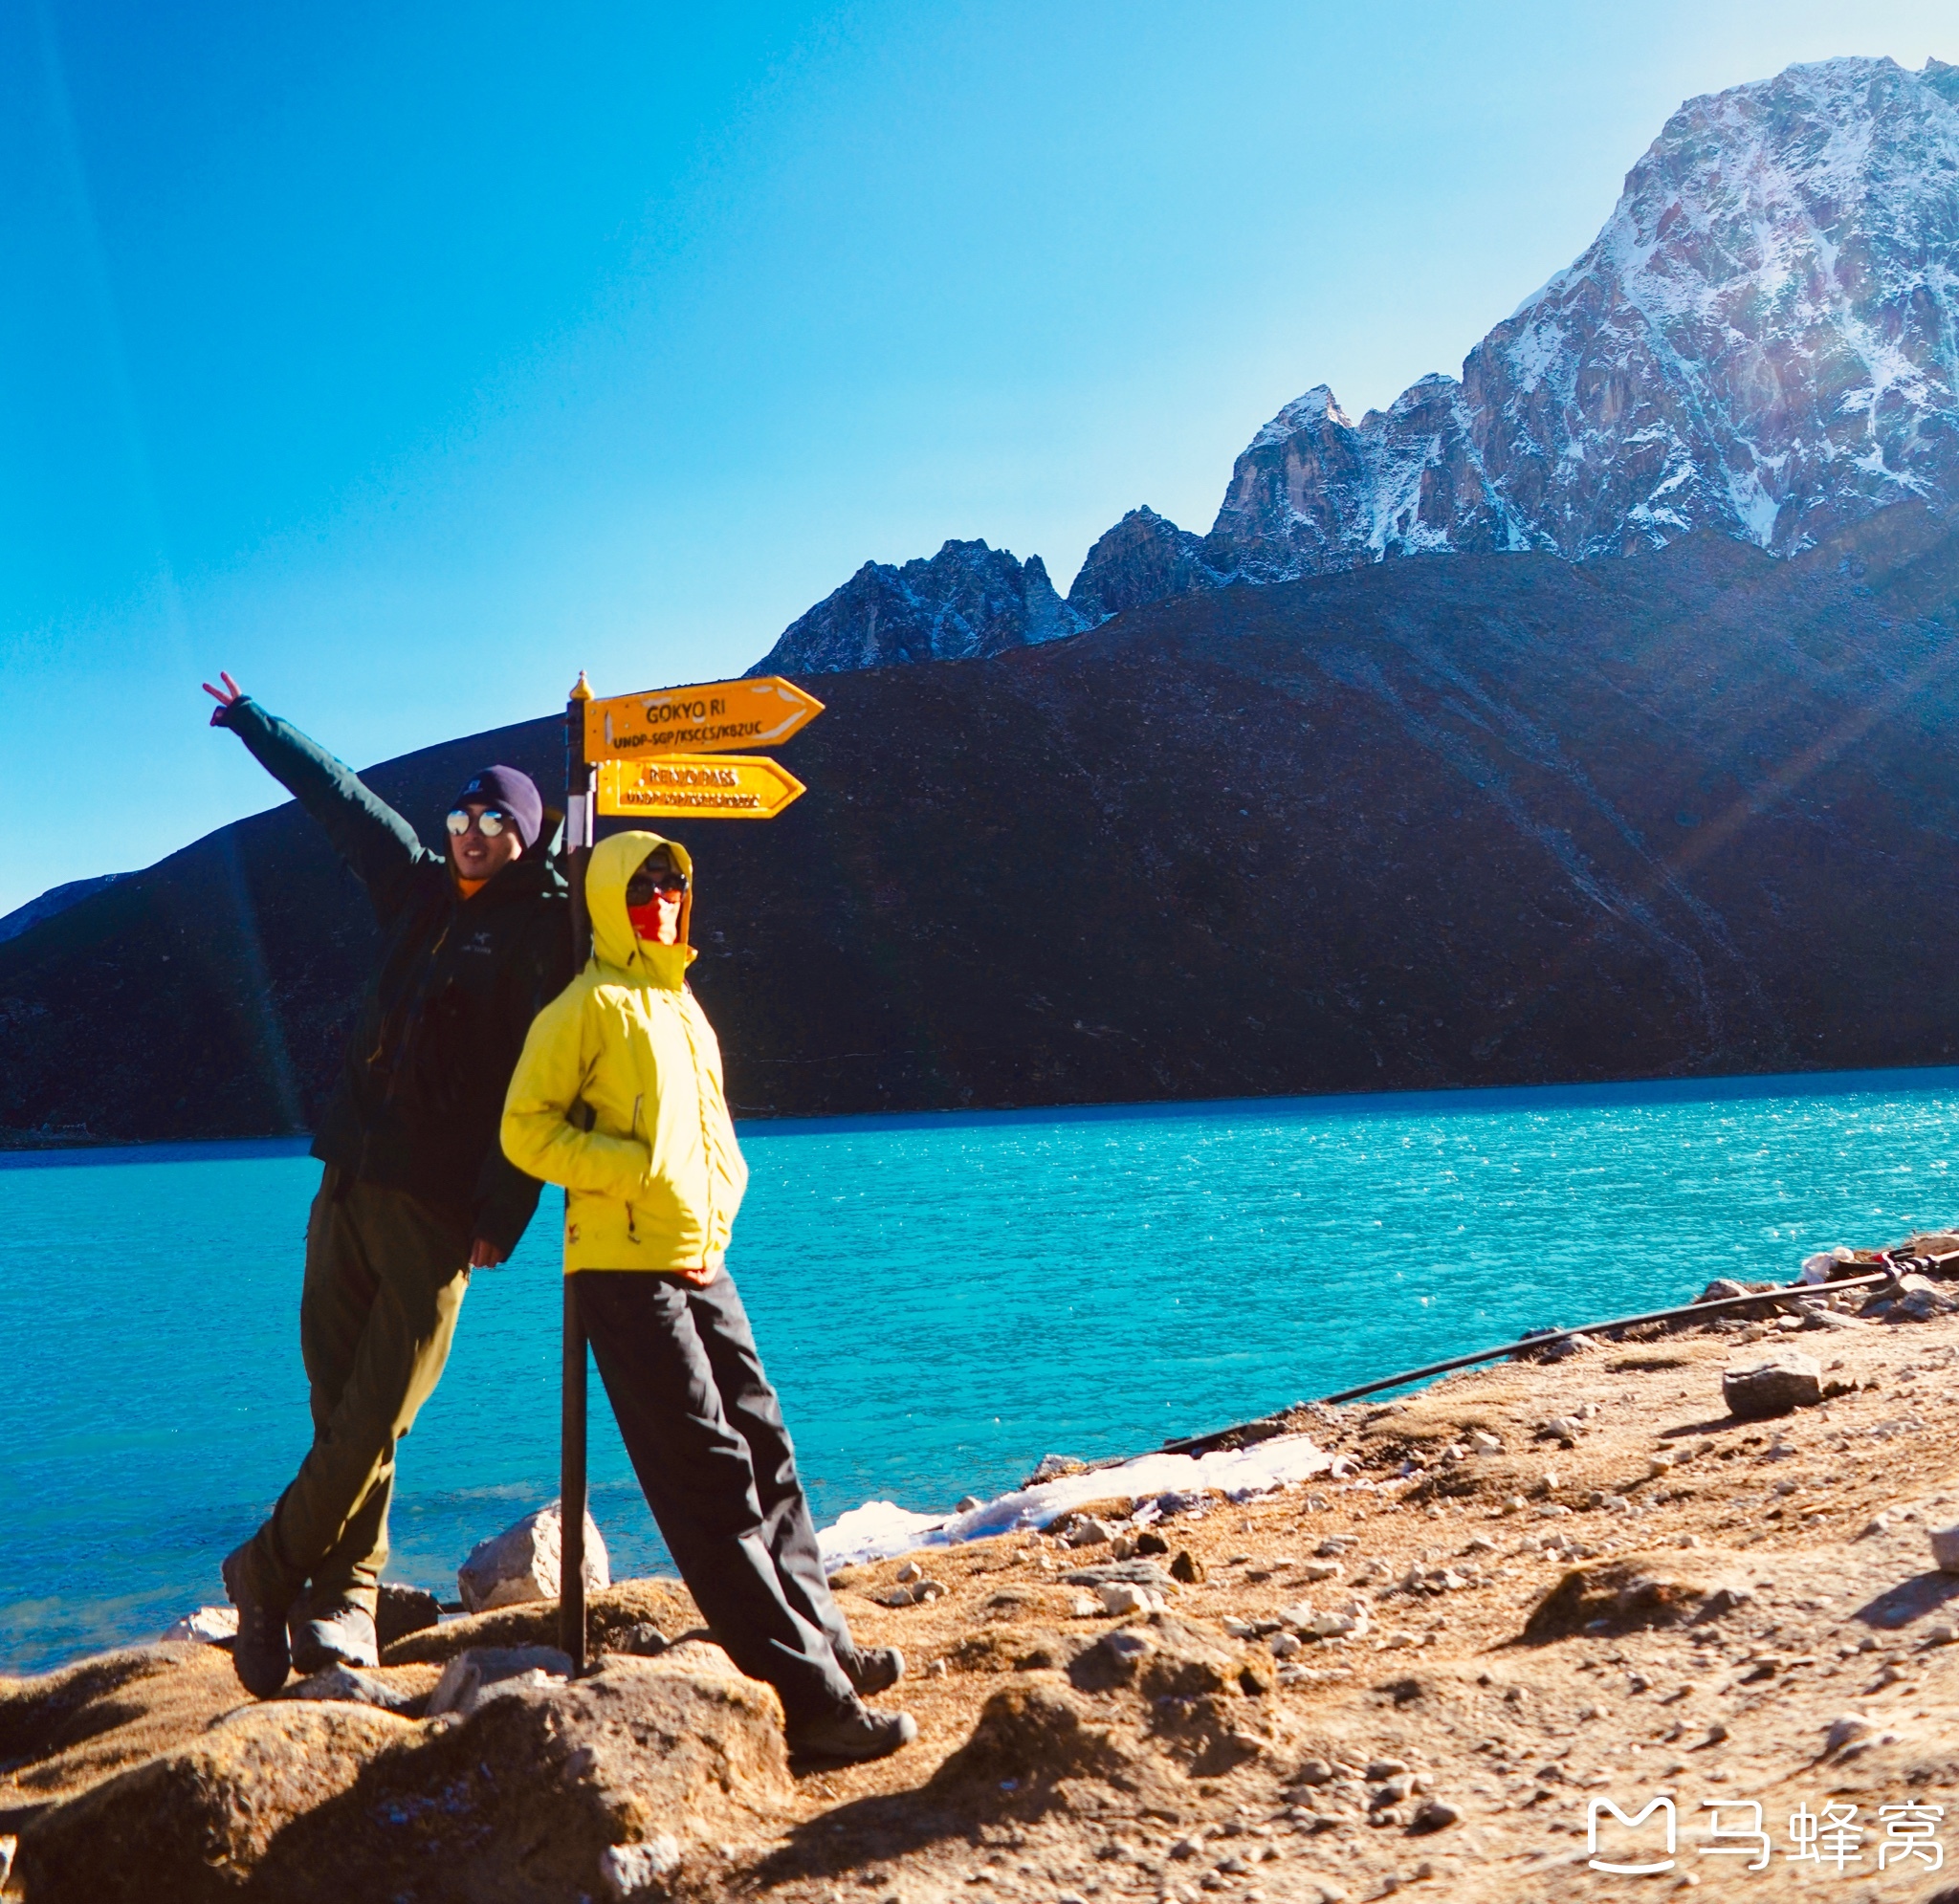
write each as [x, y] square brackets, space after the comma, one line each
[720, 717]
[697, 786]
[669, 752]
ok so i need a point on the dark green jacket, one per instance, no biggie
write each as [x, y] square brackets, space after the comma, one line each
[421, 1092]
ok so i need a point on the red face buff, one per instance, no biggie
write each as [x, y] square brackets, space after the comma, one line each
[646, 920]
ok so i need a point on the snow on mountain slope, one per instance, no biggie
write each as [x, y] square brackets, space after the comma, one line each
[1763, 341]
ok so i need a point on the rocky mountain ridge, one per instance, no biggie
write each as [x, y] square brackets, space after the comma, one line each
[1763, 341]
[1500, 820]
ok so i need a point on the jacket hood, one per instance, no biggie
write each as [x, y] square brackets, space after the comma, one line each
[615, 943]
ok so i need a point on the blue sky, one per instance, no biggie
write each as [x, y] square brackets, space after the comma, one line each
[407, 360]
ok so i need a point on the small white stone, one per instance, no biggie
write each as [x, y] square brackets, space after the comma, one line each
[625, 1871]
[1945, 1548]
[1848, 1730]
[910, 1571]
[208, 1624]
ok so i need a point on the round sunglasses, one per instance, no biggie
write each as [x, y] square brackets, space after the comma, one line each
[490, 823]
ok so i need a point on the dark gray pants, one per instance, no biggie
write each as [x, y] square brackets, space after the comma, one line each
[705, 1434]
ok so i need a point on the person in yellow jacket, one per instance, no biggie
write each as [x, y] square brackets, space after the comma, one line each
[618, 1097]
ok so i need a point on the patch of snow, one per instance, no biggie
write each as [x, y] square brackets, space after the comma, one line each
[881, 1529]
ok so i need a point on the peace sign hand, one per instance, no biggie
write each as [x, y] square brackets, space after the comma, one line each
[226, 698]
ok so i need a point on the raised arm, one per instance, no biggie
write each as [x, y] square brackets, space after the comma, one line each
[377, 843]
[539, 1134]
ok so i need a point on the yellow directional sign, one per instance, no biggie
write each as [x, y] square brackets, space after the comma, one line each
[697, 786]
[711, 719]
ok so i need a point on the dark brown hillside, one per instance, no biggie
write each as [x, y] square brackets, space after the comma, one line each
[1455, 821]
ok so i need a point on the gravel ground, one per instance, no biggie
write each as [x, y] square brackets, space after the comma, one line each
[1657, 1600]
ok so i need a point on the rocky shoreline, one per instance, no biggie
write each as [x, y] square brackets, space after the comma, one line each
[1448, 1626]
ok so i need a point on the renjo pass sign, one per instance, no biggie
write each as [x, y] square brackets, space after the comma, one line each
[701, 786]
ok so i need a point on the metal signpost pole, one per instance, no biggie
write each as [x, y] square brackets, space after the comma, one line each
[682, 739]
[571, 1491]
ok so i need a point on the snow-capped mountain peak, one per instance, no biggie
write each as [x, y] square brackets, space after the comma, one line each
[1763, 341]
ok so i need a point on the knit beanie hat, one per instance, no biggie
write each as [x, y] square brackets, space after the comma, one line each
[514, 793]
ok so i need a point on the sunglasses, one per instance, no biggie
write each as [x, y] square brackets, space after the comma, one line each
[490, 823]
[644, 885]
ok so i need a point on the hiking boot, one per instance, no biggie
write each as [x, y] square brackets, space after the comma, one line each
[335, 1633]
[872, 1669]
[260, 1654]
[854, 1732]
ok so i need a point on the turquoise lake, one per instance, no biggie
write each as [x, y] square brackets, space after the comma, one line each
[941, 1300]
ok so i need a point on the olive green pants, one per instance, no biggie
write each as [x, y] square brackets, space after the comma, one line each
[385, 1274]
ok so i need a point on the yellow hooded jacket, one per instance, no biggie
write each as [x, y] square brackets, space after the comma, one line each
[655, 1182]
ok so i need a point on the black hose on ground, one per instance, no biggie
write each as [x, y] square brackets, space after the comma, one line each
[1270, 1425]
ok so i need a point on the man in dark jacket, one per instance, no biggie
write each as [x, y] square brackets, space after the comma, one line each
[416, 1191]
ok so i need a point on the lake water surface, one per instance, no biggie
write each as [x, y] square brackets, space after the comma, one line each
[941, 1300]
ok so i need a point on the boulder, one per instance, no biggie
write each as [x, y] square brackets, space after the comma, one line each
[1725, 1288]
[1030, 1735]
[543, 1790]
[403, 1610]
[64, 1731]
[1052, 1467]
[190, 1823]
[349, 1686]
[1136, 1574]
[210, 1626]
[611, 1617]
[1918, 1300]
[470, 1675]
[522, 1564]
[1554, 1346]
[1629, 1591]
[1772, 1385]
[1945, 1548]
